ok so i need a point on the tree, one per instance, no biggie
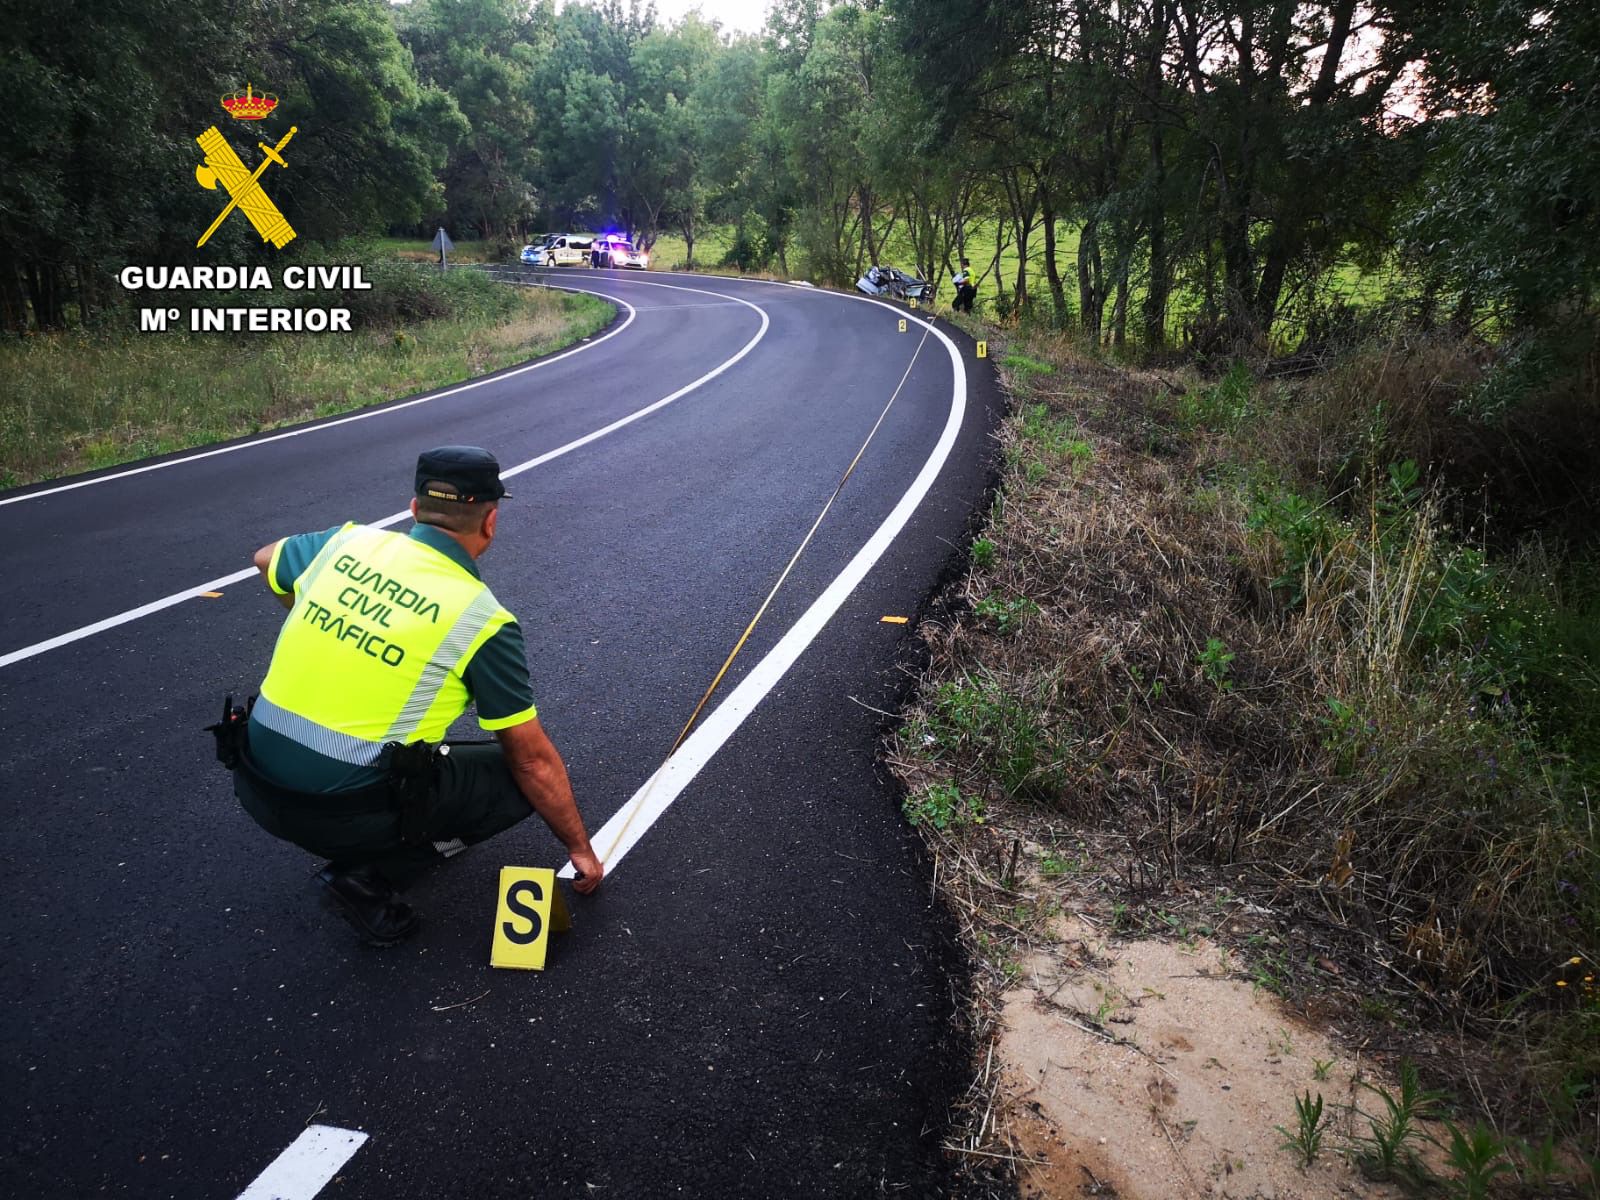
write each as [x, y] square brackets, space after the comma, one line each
[483, 53]
[1508, 213]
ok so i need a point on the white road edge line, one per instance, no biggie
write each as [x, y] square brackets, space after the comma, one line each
[697, 750]
[305, 1168]
[213, 585]
[365, 415]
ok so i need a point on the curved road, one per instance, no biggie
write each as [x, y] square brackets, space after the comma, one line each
[757, 1002]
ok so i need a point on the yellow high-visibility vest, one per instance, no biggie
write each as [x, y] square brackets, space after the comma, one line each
[375, 645]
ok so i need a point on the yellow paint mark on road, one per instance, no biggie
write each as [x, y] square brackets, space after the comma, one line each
[894, 620]
[212, 595]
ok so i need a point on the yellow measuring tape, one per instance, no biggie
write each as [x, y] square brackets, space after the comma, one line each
[767, 603]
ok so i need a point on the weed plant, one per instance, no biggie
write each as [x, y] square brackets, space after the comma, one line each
[1387, 1153]
[1007, 615]
[1478, 1157]
[1306, 1138]
[996, 733]
[943, 805]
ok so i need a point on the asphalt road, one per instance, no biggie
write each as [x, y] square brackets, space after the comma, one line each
[756, 1003]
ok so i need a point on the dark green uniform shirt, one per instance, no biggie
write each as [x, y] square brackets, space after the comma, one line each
[496, 676]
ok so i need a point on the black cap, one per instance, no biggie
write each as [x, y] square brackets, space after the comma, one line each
[461, 473]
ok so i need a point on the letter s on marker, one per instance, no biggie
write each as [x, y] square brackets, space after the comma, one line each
[518, 907]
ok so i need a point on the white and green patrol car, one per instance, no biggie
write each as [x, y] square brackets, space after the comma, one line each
[569, 250]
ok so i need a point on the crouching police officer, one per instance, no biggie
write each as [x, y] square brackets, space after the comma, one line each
[388, 638]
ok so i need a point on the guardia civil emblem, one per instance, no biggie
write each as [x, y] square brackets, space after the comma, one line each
[244, 186]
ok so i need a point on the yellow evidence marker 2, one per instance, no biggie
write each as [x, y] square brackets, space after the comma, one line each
[902, 324]
[983, 349]
[530, 908]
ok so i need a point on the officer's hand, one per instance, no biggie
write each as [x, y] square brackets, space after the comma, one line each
[590, 871]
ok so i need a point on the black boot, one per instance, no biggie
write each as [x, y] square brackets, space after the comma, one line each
[370, 903]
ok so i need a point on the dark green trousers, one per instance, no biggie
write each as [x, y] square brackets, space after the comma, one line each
[477, 798]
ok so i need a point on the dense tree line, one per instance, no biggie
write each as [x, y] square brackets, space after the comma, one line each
[1128, 167]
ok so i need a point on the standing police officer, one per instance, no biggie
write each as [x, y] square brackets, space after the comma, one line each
[966, 290]
[388, 638]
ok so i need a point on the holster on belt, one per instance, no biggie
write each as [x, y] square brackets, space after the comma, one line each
[231, 731]
[413, 783]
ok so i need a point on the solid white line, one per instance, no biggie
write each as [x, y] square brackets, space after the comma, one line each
[304, 1169]
[144, 610]
[122, 618]
[365, 415]
[657, 795]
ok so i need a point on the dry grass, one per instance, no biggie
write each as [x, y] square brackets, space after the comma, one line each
[1128, 659]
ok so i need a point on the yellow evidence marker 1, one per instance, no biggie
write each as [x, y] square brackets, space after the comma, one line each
[902, 324]
[983, 349]
[530, 908]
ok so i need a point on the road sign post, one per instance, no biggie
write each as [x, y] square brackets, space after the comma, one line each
[442, 243]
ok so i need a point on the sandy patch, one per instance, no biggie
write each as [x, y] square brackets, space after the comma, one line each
[1141, 1070]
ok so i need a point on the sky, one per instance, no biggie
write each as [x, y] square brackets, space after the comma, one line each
[741, 16]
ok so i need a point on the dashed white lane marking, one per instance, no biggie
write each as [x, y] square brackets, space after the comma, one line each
[304, 430]
[189, 593]
[304, 1169]
[657, 794]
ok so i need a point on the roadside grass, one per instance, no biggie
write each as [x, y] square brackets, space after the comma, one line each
[87, 399]
[1267, 656]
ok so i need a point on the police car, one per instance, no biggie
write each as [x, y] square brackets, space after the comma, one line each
[614, 250]
[568, 250]
[534, 252]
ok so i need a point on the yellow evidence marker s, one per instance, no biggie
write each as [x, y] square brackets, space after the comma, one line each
[983, 349]
[530, 907]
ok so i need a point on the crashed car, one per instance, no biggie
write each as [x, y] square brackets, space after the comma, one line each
[895, 284]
